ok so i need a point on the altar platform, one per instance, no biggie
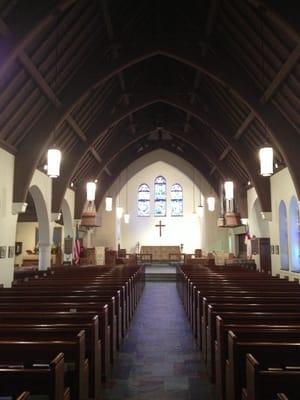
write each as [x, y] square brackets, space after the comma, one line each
[163, 272]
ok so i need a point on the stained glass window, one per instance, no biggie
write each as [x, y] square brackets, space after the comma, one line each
[283, 237]
[294, 235]
[143, 200]
[160, 197]
[176, 200]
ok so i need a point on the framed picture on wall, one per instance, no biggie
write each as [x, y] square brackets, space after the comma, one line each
[18, 248]
[2, 251]
[277, 249]
[11, 251]
[272, 249]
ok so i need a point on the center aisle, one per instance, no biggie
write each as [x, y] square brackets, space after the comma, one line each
[158, 359]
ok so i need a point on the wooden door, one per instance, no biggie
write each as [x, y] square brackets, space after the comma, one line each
[242, 248]
[265, 255]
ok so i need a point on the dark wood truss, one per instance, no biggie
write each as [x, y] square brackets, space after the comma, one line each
[108, 81]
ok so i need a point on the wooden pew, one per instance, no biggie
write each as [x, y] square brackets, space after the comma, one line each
[272, 347]
[212, 305]
[263, 382]
[62, 331]
[65, 320]
[55, 298]
[209, 321]
[15, 349]
[73, 309]
[38, 381]
[226, 321]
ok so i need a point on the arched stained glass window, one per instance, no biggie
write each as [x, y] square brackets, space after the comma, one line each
[283, 237]
[294, 235]
[176, 200]
[160, 197]
[143, 200]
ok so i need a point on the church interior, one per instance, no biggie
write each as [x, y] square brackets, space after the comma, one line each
[149, 212]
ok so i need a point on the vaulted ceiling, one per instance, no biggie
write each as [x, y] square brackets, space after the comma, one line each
[108, 81]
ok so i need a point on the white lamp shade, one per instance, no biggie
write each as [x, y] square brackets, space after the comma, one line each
[108, 203]
[90, 191]
[200, 211]
[53, 162]
[211, 201]
[126, 218]
[244, 221]
[228, 186]
[266, 161]
[119, 212]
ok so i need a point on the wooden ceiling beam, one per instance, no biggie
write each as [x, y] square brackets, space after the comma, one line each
[281, 16]
[97, 157]
[281, 75]
[93, 74]
[41, 15]
[215, 121]
[45, 87]
[126, 159]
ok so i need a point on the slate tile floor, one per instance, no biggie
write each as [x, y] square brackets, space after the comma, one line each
[158, 359]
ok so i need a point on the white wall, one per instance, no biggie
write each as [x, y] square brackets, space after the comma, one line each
[26, 235]
[191, 231]
[7, 220]
[282, 188]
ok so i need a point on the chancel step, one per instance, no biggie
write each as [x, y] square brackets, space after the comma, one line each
[161, 277]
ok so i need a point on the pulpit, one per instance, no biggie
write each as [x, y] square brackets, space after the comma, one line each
[110, 257]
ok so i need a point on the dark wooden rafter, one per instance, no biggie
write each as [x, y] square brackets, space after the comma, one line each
[44, 86]
[42, 13]
[125, 159]
[226, 73]
[210, 23]
[191, 138]
[97, 157]
[214, 121]
[279, 14]
[281, 75]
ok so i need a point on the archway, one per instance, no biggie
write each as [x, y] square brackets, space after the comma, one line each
[142, 228]
[44, 244]
[259, 226]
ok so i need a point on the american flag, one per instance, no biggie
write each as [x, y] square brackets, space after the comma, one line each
[76, 248]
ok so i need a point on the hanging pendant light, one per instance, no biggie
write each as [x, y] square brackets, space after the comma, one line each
[194, 210]
[200, 210]
[108, 203]
[126, 215]
[211, 201]
[119, 212]
[90, 191]
[53, 163]
[228, 187]
[266, 161]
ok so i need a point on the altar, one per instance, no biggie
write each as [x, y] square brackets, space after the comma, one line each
[160, 253]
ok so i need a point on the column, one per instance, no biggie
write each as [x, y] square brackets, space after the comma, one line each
[44, 256]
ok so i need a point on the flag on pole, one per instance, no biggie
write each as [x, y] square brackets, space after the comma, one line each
[248, 243]
[76, 248]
